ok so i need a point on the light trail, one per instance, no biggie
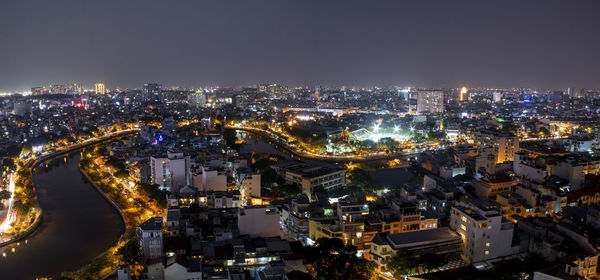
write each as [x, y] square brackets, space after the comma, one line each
[10, 216]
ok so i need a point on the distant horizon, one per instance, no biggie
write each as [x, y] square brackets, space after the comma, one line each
[428, 43]
[88, 87]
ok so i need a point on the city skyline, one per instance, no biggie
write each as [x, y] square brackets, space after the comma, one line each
[429, 44]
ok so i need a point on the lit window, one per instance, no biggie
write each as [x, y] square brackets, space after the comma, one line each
[463, 227]
[487, 244]
[463, 218]
[487, 252]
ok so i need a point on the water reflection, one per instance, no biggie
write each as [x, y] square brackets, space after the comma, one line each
[78, 224]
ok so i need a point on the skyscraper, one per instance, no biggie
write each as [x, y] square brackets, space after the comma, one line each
[152, 91]
[464, 94]
[497, 96]
[430, 101]
[100, 89]
[197, 99]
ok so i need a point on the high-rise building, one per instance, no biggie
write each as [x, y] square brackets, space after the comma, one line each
[430, 101]
[99, 88]
[197, 99]
[38, 90]
[497, 96]
[464, 95]
[277, 91]
[574, 92]
[152, 91]
[262, 88]
[557, 97]
[58, 89]
[504, 145]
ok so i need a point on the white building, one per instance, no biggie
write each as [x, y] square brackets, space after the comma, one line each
[260, 221]
[309, 176]
[485, 234]
[497, 97]
[249, 184]
[504, 145]
[526, 168]
[171, 171]
[150, 236]
[213, 179]
[430, 101]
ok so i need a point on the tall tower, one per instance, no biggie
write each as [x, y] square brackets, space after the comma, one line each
[100, 89]
[464, 94]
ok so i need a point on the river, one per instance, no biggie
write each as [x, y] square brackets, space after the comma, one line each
[78, 224]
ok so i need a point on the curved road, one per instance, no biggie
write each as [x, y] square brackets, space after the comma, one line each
[301, 153]
[78, 223]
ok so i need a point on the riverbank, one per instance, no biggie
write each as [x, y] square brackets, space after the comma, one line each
[131, 211]
[78, 225]
[25, 175]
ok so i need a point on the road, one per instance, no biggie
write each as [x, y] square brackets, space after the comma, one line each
[10, 216]
[33, 162]
[303, 153]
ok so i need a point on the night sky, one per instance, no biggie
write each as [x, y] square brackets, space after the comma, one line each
[125, 43]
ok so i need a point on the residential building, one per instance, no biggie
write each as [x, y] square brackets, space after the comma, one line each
[260, 221]
[504, 145]
[491, 185]
[170, 171]
[310, 176]
[485, 233]
[430, 101]
[150, 236]
[440, 241]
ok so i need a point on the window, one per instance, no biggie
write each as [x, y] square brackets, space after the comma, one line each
[487, 244]
[487, 252]
[463, 227]
[463, 218]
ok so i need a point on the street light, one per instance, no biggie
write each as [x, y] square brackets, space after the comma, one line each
[375, 127]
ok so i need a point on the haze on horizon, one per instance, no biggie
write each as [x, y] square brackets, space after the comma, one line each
[510, 43]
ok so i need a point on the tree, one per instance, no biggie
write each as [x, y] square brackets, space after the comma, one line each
[331, 259]
[129, 252]
[9, 164]
[22, 208]
[403, 261]
[229, 136]
[361, 178]
[5, 195]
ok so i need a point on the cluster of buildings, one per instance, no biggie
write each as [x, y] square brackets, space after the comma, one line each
[491, 174]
